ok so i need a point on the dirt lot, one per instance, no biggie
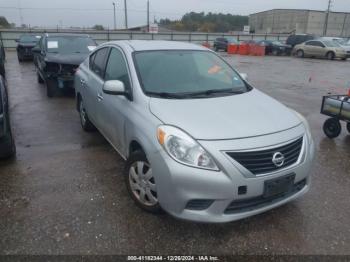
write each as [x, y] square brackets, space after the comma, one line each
[64, 193]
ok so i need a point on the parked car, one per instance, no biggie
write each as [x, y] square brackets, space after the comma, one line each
[2, 59]
[199, 141]
[322, 49]
[57, 56]
[221, 43]
[7, 144]
[25, 45]
[343, 42]
[297, 39]
[276, 47]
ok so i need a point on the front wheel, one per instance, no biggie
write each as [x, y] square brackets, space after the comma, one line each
[348, 127]
[39, 78]
[332, 128]
[9, 146]
[51, 88]
[141, 183]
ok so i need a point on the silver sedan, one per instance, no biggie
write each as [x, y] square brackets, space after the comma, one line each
[199, 141]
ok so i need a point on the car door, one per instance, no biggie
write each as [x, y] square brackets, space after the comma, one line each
[39, 57]
[113, 108]
[320, 49]
[93, 84]
[309, 48]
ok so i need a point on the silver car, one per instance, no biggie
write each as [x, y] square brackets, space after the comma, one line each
[199, 141]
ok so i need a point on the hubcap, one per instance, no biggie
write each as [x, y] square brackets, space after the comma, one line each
[82, 113]
[142, 183]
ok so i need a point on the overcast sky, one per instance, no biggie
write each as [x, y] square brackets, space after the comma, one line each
[90, 12]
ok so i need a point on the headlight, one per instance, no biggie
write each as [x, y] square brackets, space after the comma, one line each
[183, 148]
[306, 125]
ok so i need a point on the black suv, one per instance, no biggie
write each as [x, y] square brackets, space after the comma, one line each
[221, 43]
[2, 59]
[294, 40]
[7, 144]
[57, 57]
[25, 44]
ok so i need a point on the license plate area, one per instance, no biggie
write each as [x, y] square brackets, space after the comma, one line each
[278, 186]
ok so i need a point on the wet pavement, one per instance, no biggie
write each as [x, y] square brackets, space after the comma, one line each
[64, 193]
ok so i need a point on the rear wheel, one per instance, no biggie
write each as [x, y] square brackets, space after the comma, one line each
[332, 128]
[141, 183]
[84, 119]
[9, 146]
[330, 56]
[300, 53]
[348, 127]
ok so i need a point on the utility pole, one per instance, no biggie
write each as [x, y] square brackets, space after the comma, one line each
[20, 12]
[327, 18]
[126, 14]
[147, 15]
[115, 21]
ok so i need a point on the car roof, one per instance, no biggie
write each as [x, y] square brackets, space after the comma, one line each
[146, 45]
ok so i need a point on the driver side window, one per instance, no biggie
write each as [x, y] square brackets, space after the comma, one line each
[117, 68]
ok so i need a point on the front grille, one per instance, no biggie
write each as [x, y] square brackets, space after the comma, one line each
[68, 69]
[260, 162]
[250, 204]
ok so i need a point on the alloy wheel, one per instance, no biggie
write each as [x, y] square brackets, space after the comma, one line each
[142, 183]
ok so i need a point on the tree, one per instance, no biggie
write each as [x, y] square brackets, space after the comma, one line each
[4, 23]
[98, 27]
[209, 22]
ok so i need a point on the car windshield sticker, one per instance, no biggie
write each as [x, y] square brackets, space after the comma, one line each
[52, 44]
[91, 47]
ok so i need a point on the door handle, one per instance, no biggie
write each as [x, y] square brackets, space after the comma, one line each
[99, 97]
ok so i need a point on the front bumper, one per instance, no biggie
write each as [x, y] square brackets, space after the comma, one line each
[178, 184]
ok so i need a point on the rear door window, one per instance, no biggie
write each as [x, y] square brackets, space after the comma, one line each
[98, 61]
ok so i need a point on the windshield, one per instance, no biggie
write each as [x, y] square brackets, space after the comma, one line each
[331, 43]
[29, 38]
[70, 44]
[231, 40]
[277, 43]
[186, 73]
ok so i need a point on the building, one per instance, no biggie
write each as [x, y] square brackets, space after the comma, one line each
[300, 21]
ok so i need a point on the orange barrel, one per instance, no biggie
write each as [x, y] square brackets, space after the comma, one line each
[206, 44]
[253, 49]
[243, 49]
[260, 50]
[232, 49]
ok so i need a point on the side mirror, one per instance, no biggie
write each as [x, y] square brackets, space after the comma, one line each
[114, 87]
[244, 76]
[36, 50]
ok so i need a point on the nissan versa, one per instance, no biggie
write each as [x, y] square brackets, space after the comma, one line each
[199, 141]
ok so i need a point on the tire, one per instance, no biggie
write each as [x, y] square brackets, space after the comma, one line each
[300, 53]
[216, 48]
[344, 59]
[330, 56]
[8, 147]
[51, 88]
[85, 122]
[140, 183]
[2, 70]
[332, 128]
[20, 59]
[39, 79]
[348, 127]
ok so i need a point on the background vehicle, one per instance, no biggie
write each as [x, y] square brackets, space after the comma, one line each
[2, 59]
[25, 45]
[221, 43]
[7, 144]
[276, 47]
[180, 155]
[294, 40]
[322, 49]
[343, 42]
[56, 58]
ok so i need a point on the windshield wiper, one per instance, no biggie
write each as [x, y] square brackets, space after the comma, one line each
[216, 91]
[167, 95]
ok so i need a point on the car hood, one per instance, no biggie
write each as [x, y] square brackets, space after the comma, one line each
[71, 59]
[229, 117]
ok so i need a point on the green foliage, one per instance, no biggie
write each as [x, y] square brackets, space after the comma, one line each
[201, 22]
[98, 27]
[4, 23]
